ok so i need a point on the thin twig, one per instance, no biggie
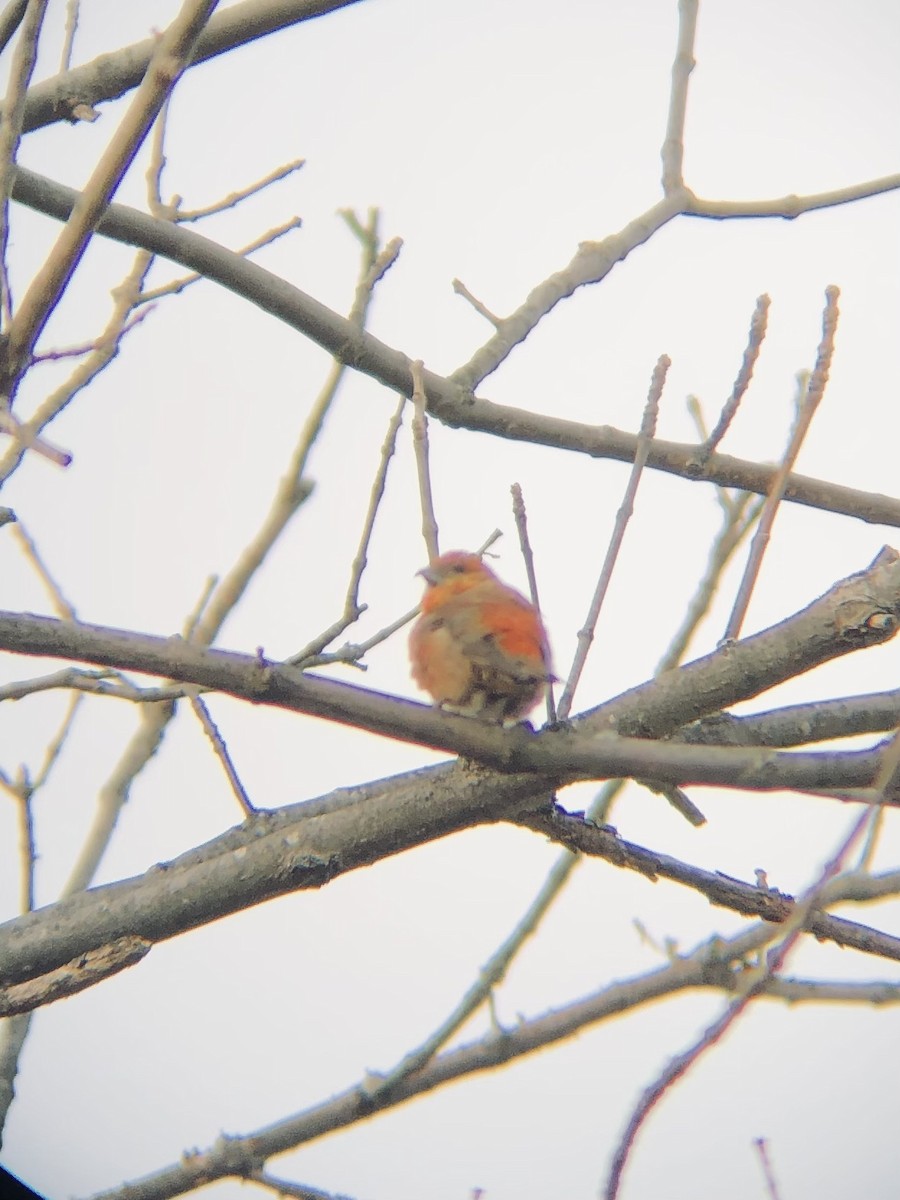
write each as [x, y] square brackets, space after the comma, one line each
[871, 844]
[488, 542]
[87, 347]
[193, 618]
[761, 1146]
[61, 606]
[461, 290]
[420, 444]
[814, 393]
[65, 61]
[27, 854]
[94, 683]
[23, 790]
[758, 327]
[677, 798]
[211, 730]
[55, 746]
[682, 66]
[738, 521]
[350, 652]
[157, 164]
[24, 439]
[179, 285]
[352, 607]
[105, 349]
[292, 1191]
[233, 199]
[586, 633]
[521, 520]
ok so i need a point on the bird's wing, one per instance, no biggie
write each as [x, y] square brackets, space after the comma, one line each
[502, 634]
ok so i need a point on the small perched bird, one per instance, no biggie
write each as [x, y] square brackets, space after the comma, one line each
[479, 648]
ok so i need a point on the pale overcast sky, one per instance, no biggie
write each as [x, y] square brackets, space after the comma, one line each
[494, 137]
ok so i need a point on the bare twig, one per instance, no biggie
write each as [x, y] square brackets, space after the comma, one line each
[814, 393]
[86, 347]
[13, 1032]
[461, 290]
[760, 1144]
[211, 730]
[677, 798]
[104, 350]
[72, 7]
[682, 66]
[350, 652]
[27, 854]
[788, 208]
[488, 542]
[352, 607]
[758, 327]
[179, 285]
[61, 606]
[586, 633]
[193, 618]
[55, 747]
[739, 518]
[521, 520]
[157, 164]
[292, 1191]
[24, 439]
[420, 444]
[94, 683]
[235, 198]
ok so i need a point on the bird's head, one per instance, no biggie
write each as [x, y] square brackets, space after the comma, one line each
[456, 570]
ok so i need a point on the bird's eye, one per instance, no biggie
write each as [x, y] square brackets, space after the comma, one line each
[459, 569]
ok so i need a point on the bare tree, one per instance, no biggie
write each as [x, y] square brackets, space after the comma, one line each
[669, 738]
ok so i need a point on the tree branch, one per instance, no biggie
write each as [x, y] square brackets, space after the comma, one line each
[449, 398]
[112, 75]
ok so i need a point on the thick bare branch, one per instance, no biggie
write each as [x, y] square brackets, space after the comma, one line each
[112, 75]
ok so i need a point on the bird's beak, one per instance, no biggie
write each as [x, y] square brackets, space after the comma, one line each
[429, 575]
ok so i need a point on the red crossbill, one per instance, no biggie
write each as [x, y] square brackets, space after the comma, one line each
[479, 648]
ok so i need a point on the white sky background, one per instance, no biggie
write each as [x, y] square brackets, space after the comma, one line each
[494, 136]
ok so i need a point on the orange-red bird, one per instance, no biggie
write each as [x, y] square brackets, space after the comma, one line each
[479, 647]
